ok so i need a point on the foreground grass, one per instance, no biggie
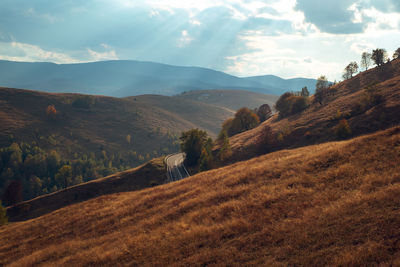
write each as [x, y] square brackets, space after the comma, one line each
[332, 204]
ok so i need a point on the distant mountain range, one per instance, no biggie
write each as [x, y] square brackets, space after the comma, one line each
[121, 78]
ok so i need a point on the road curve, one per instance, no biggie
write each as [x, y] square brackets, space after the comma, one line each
[175, 169]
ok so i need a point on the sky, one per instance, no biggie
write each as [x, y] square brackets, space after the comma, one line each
[287, 38]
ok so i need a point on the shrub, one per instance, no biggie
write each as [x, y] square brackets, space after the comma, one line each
[244, 120]
[343, 130]
[289, 104]
[51, 112]
[264, 112]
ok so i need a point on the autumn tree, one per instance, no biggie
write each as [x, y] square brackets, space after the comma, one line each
[350, 70]
[365, 60]
[264, 112]
[192, 143]
[51, 112]
[379, 56]
[290, 103]
[396, 53]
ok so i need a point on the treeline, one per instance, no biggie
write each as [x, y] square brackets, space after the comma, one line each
[27, 171]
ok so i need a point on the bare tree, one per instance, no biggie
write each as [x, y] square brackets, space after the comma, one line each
[365, 60]
[379, 56]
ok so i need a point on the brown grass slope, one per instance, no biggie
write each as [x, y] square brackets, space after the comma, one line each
[316, 124]
[333, 204]
[147, 175]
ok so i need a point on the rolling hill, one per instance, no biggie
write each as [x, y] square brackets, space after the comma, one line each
[126, 78]
[230, 99]
[95, 135]
[294, 84]
[370, 101]
[331, 204]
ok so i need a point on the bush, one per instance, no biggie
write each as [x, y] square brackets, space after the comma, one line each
[343, 130]
[244, 120]
[289, 104]
[264, 112]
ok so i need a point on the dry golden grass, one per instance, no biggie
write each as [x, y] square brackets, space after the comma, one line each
[333, 204]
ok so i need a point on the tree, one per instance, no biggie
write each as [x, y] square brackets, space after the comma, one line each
[350, 70]
[225, 151]
[206, 158]
[64, 176]
[264, 112]
[192, 143]
[3, 215]
[396, 53]
[244, 120]
[305, 92]
[51, 112]
[13, 193]
[320, 89]
[379, 56]
[365, 60]
[289, 104]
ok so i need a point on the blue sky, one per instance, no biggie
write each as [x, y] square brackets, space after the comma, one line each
[303, 38]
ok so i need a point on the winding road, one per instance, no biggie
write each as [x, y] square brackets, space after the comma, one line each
[175, 169]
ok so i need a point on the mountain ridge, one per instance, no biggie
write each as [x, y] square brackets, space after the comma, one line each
[122, 78]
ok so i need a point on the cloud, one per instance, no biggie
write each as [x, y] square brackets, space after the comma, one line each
[108, 54]
[330, 16]
[15, 51]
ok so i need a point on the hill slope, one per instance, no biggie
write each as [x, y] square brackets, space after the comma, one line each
[231, 99]
[122, 78]
[332, 204]
[94, 135]
[369, 102]
[294, 84]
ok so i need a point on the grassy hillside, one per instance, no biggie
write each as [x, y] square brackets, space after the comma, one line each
[150, 174]
[369, 102]
[331, 204]
[95, 135]
[231, 99]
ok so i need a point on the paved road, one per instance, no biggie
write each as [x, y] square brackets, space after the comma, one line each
[175, 168]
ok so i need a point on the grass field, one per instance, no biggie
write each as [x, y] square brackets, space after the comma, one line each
[331, 204]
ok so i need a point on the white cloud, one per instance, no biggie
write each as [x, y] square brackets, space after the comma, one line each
[108, 54]
[15, 51]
